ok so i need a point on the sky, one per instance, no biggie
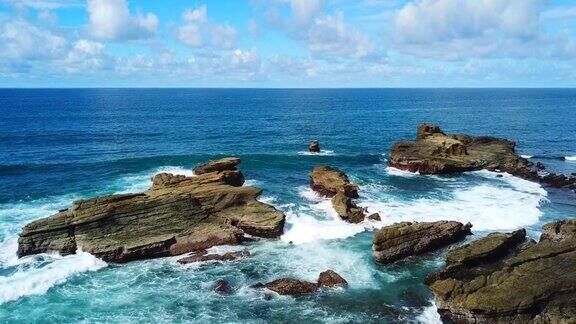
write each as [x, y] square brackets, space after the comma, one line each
[288, 43]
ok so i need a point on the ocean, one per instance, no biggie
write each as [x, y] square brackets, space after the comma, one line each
[59, 145]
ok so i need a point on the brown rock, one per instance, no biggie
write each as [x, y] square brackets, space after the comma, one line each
[375, 217]
[291, 286]
[331, 279]
[225, 164]
[230, 256]
[400, 240]
[222, 287]
[435, 152]
[503, 278]
[347, 209]
[176, 215]
[314, 146]
[329, 181]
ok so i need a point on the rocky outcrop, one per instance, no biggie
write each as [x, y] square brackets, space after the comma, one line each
[331, 182]
[177, 215]
[295, 287]
[222, 287]
[375, 217]
[314, 147]
[202, 256]
[401, 240]
[435, 152]
[506, 278]
[225, 167]
[331, 279]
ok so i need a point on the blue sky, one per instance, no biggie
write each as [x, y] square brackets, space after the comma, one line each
[288, 43]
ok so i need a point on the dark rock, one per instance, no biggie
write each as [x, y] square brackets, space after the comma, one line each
[225, 164]
[230, 256]
[504, 278]
[558, 180]
[331, 279]
[347, 209]
[176, 215]
[222, 287]
[267, 297]
[258, 285]
[329, 181]
[434, 152]
[375, 217]
[400, 240]
[540, 166]
[291, 286]
[314, 146]
[499, 176]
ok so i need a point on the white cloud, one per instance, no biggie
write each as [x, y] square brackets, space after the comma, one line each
[87, 56]
[111, 20]
[304, 11]
[455, 29]
[330, 35]
[198, 30]
[253, 28]
[22, 41]
[44, 4]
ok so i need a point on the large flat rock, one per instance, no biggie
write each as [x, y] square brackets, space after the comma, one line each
[178, 214]
[505, 278]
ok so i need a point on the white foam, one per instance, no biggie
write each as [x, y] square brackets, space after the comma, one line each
[508, 204]
[526, 156]
[570, 158]
[321, 153]
[430, 315]
[401, 173]
[252, 182]
[37, 281]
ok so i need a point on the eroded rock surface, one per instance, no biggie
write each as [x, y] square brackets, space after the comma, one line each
[347, 209]
[295, 287]
[204, 256]
[314, 147]
[436, 152]
[401, 240]
[177, 215]
[506, 278]
[331, 279]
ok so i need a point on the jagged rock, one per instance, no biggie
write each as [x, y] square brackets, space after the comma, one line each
[291, 286]
[435, 152]
[258, 285]
[222, 287]
[558, 180]
[375, 217]
[331, 279]
[400, 240]
[176, 215]
[347, 209]
[504, 278]
[540, 166]
[225, 164]
[314, 146]
[329, 181]
[229, 256]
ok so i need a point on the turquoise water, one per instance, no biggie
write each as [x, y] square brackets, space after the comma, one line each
[60, 145]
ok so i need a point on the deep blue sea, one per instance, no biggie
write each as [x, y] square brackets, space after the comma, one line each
[57, 146]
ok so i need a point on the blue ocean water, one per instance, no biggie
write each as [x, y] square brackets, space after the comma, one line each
[60, 145]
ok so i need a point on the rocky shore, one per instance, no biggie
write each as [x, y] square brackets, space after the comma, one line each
[507, 278]
[177, 215]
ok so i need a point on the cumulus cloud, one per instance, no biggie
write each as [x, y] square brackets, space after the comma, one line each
[44, 4]
[452, 29]
[111, 20]
[22, 41]
[86, 55]
[198, 30]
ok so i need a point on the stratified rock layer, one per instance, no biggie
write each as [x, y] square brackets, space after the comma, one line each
[401, 240]
[178, 214]
[504, 278]
[435, 152]
[329, 181]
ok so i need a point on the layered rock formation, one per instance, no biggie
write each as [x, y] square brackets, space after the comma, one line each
[202, 256]
[331, 182]
[314, 147]
[436, 152]
[505, 278]
[401, 240]
[178, 214]
[294, 287]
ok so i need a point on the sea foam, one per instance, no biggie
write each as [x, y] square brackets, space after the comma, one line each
[321, 153]
[570, 158]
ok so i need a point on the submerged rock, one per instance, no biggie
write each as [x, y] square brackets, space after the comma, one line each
[329, 181]
[291, 286]
[504, 278]
[314, 147]
[331, 279]
[401, 240]
[435, 152]
[229, 256]
[347, 209]
[177, 215]
[375, 217]
[222, 287]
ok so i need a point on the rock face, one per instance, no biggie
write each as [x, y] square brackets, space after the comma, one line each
[314, 147]
[505, 278]
[202, 256]
[329, 181]
[435, 152]
[331, 279]
[334, 183]
[226, 167]
[400, 240]
[177, 215]
[222, 287]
